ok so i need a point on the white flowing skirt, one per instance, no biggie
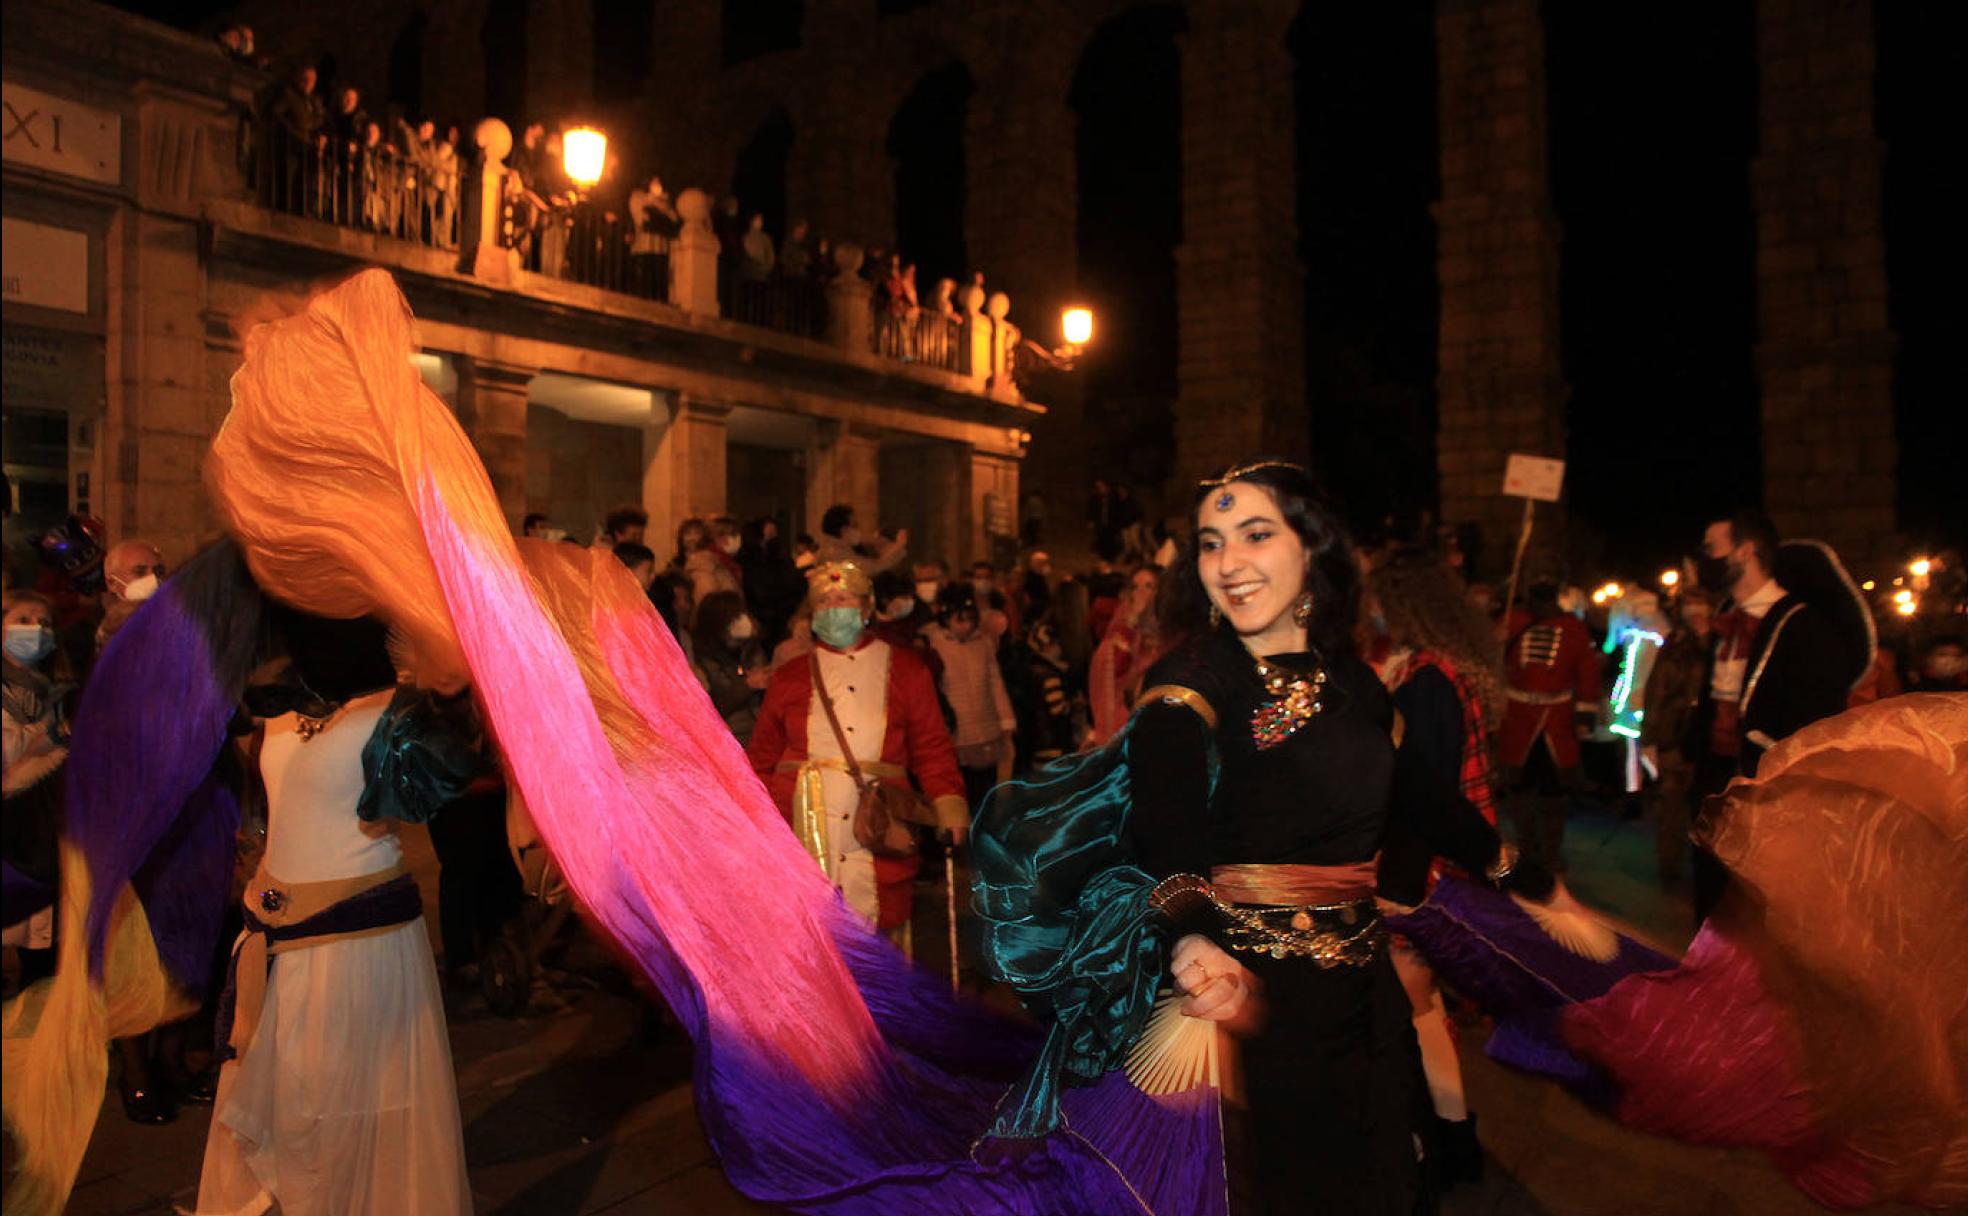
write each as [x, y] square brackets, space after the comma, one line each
[345, 1102]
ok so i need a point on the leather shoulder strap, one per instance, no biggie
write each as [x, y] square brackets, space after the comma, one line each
[833, 720]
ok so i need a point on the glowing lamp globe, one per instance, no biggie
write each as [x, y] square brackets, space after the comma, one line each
[1920, 567]
[1906, 607]
[583, 151]
[1670, 578]
[1076, 325]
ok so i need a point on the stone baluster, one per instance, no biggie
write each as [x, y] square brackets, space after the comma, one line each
[850, 301]
[485, 252]
[1004, 345]
[694, 256]
[978, 339]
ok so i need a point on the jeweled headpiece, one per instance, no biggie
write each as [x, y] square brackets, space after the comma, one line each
[1241, 471]
[838, 576]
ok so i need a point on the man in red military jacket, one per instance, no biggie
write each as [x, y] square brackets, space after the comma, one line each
[885, 700]
[1551, 671]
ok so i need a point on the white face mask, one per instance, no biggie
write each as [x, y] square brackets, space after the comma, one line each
[897, 609]
[731, 544]
[137, 590]
[743, 629]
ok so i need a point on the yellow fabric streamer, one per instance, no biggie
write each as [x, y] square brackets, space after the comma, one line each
[54, 1040]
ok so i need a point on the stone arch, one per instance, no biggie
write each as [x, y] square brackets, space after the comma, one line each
[925, 144]
[1368, 171]
[1125, 97]
[758, 178]
[503, 37]
[406, 64]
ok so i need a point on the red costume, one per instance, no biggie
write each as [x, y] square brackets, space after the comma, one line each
[793, 741]
[1551, 668]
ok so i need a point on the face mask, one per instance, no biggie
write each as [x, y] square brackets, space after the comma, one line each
[838, 627]
[137, 590]
[742, 629]
[926, 592]
[897, 609]
[1946, 666]
[29, 644]
[850, 536]
[731, 544]
[1714, 574]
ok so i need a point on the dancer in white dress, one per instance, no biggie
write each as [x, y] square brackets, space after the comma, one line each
[342, 1100]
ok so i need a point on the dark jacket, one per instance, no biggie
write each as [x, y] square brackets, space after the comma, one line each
[1797, 675]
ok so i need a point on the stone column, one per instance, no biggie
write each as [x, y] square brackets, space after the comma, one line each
[844, 465]
[491, 407]
[694, 256]
[1500, 383]
[1825, 349]
[683, 473]
[1239, 285]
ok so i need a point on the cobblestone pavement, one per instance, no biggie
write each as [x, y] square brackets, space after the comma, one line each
[584, 1106]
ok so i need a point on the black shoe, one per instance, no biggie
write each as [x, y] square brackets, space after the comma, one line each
[201, 1090]
[1459, 1154]
[148, 1106]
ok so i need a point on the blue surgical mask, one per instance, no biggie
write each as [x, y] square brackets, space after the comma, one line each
[838, 627]
[29, 644]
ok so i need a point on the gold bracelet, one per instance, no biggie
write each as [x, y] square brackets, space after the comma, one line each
[1179, 889]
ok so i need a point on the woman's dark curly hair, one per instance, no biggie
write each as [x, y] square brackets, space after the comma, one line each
[1426, 606]
[1332, 574]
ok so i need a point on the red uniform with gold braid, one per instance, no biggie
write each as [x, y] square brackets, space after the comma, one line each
[793, 747]
[1550, 668]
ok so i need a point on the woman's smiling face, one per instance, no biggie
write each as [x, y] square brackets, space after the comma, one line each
[1252, 565]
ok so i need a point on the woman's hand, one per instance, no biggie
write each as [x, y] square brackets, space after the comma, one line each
[1218, 987]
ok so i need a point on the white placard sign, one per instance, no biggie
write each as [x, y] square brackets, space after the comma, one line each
[62, 136]
[1534, 477]
[43, 265]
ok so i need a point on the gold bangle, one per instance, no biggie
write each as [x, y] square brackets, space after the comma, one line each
[1506, 861]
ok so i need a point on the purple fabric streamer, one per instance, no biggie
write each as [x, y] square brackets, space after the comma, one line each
[1119, 1151]
[1481, 943]
[143, 803]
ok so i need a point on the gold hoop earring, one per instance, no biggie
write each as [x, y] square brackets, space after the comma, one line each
[1215, 616]
[1302, 610]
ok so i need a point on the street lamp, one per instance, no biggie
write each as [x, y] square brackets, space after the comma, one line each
[1076, 328]
[583, 153]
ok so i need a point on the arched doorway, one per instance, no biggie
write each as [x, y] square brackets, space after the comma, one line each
[926, 143]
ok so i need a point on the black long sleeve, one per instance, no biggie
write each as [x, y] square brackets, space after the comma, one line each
[1168, 774]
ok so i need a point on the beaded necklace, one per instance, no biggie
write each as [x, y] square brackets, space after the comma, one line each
[1296, 698]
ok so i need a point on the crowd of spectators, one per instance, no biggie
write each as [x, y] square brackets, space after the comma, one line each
[317, 147]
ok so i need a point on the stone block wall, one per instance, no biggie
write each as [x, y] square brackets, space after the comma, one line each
[577, 471]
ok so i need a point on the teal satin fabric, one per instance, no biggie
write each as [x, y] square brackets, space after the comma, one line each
[1067, 922]
[425, 752]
